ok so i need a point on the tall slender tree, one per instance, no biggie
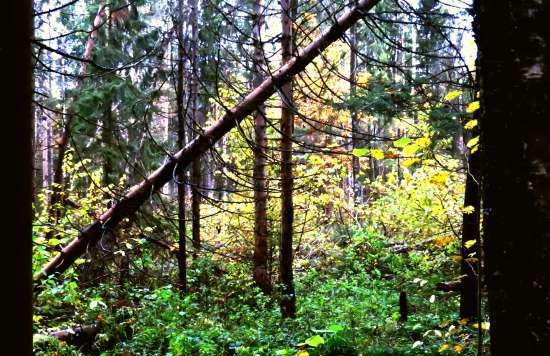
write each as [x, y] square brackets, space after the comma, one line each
[260, 272]
[182, 246]
[288, 297]
[196, 123]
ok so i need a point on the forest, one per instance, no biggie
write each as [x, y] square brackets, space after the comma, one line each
[290, 177]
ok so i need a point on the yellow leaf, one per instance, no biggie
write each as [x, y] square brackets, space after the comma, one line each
[443, 347]
[484, 325]
[302, 353]
[410, 149]
[452, 95]
[470, 243]
[377, 153]
[423, 141]
[470, 124]
[458, 348]
[463, 321]
[443, 241]
[473, 106]
[468, 209]
[363, 78]
[440, 178]
[472, 142]
[410, 162]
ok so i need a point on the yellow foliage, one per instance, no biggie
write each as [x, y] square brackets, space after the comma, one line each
[452, 95]
[470, 124]
[443, 241]
[458, 348]
[473, 106]
[377, 153]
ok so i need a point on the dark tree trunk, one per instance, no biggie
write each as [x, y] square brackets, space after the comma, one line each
[182, 246]
[260, 272]
[470, 241]
[514, 62]
[140, 193]
[288, 297]
[17, 123]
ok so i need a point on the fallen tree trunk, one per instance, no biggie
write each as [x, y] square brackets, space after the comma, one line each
[449, 286]
[142, 191]
[78, 335]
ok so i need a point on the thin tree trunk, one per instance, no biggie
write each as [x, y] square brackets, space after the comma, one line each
[470, 241]
[288, 297]
[197, 121]
[514, 62]
[182, 247]
[63, 143]
[356, 168]
[140, 193]
[260, 272]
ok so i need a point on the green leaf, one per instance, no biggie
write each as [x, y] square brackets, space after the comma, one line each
[402, 142]
[360, 152]
[336, 328]
[315, 340]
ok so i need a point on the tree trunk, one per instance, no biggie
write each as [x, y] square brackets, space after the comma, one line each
[63, 143]
[141, 192]
[182, 246]
[514, 62]
[288, 297]
[196, 181]
[356, 168]
[18, 217]
[260, 272]
[470, 241]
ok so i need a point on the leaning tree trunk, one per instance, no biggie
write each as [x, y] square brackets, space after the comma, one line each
[514, 63]
[288, 297]
[260, 272]
[141, 192]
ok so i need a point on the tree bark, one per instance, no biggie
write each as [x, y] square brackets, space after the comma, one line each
[260, 258]
[288, 297]
[140, 193]
[514, 63]
[196, 181]
[16, 110]
[182, 246]
[470, 232]
[356, 168]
